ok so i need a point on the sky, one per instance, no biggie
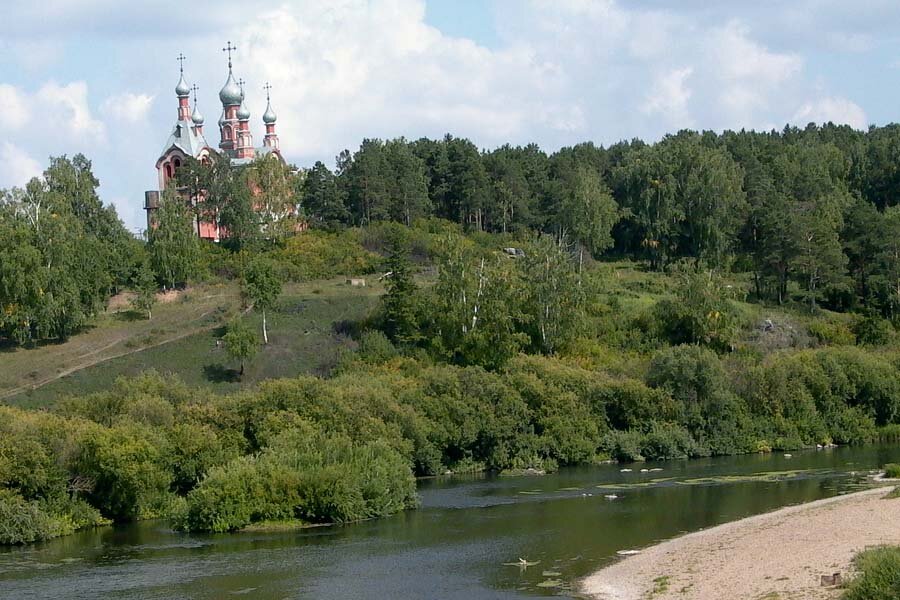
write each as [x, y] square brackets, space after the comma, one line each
[98, 76]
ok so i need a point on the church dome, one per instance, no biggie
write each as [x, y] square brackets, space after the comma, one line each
[182, 90]
[243, 114]
[269, 116]
[196, 117]
[231, 93]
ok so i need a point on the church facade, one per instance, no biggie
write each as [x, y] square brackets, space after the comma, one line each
[187, 139]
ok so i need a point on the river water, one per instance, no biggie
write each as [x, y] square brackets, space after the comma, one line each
[453, 547]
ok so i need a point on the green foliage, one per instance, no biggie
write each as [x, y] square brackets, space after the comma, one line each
[832, 331]
[700, 313]
[126, 465]
[879, 575]
[22, 522]
[62, 253]
[472, 308]
[173, 244]
[144, 290]
[322, 255]
[892, 470]
[589, 212]
[375, 348]
[872, 330]
[240, 342]
[400, 305]
[261, 285]
[303, 476]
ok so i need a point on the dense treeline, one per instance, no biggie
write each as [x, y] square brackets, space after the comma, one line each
[62, 253]
[345, 448]
[811, 208]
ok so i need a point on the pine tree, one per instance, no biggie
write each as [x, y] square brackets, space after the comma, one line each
[400, 305]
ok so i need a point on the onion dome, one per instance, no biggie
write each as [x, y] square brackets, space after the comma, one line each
[182, 90]
[196, 117]
[243, 114]
[231, 94]
[269, 116]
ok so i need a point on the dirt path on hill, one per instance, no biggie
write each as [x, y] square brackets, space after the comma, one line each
[9, 393]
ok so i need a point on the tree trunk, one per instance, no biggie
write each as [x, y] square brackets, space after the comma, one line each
[265, 332]
[149, 315]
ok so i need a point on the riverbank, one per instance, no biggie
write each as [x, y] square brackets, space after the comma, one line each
[777, 555]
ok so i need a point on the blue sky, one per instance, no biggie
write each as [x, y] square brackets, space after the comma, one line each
[97, 76]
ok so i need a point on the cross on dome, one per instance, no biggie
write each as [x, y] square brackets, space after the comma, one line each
[229, 48]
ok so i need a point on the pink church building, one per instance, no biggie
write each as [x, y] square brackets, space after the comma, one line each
[188, 140]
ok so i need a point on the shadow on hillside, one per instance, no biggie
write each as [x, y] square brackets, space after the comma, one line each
[131, 315]
[218, 373]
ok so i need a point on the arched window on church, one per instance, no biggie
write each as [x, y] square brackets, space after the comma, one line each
[226, 131]
[168, 171]
[177, 162]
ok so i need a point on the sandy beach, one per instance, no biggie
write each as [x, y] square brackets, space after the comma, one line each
[778, 555]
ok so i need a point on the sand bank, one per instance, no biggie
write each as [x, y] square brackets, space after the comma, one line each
[778, 555]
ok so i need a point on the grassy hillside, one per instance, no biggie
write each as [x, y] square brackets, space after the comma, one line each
[181, 340]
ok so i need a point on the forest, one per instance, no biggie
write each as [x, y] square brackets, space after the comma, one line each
[707, 294]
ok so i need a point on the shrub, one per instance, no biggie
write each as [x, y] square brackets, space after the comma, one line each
[313, 478]
[700, 313]
[127, 467]
[316, 254]
[623, 446]
[375, 347]
[22, 521]
[892, 470]
[831, 332]
[879, 575]
[666, 441]
[889, 433]
[872, 330]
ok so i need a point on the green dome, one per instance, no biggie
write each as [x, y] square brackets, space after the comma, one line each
[196, 117]
[182, 90]
[231, 93]
[269, 116]
[243, 114]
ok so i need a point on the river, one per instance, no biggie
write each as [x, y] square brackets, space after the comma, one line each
[453, 547]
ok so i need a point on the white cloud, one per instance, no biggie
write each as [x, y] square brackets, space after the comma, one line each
[834, 109]
[15, 113]
[16, 166]
[560, 72]
[669, 98]
[128, 107]
[66, 108]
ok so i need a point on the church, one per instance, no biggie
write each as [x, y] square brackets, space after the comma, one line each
[188, 140]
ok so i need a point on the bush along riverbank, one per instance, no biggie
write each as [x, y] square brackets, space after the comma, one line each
[347, 448]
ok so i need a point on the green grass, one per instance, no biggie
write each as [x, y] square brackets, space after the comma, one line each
[892, 471]
[302, 339]
[879, 575]
[116, 332]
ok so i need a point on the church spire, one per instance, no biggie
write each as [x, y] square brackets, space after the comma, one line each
[183, 91]
[196, 116]
[231, 97]
[269, 118]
